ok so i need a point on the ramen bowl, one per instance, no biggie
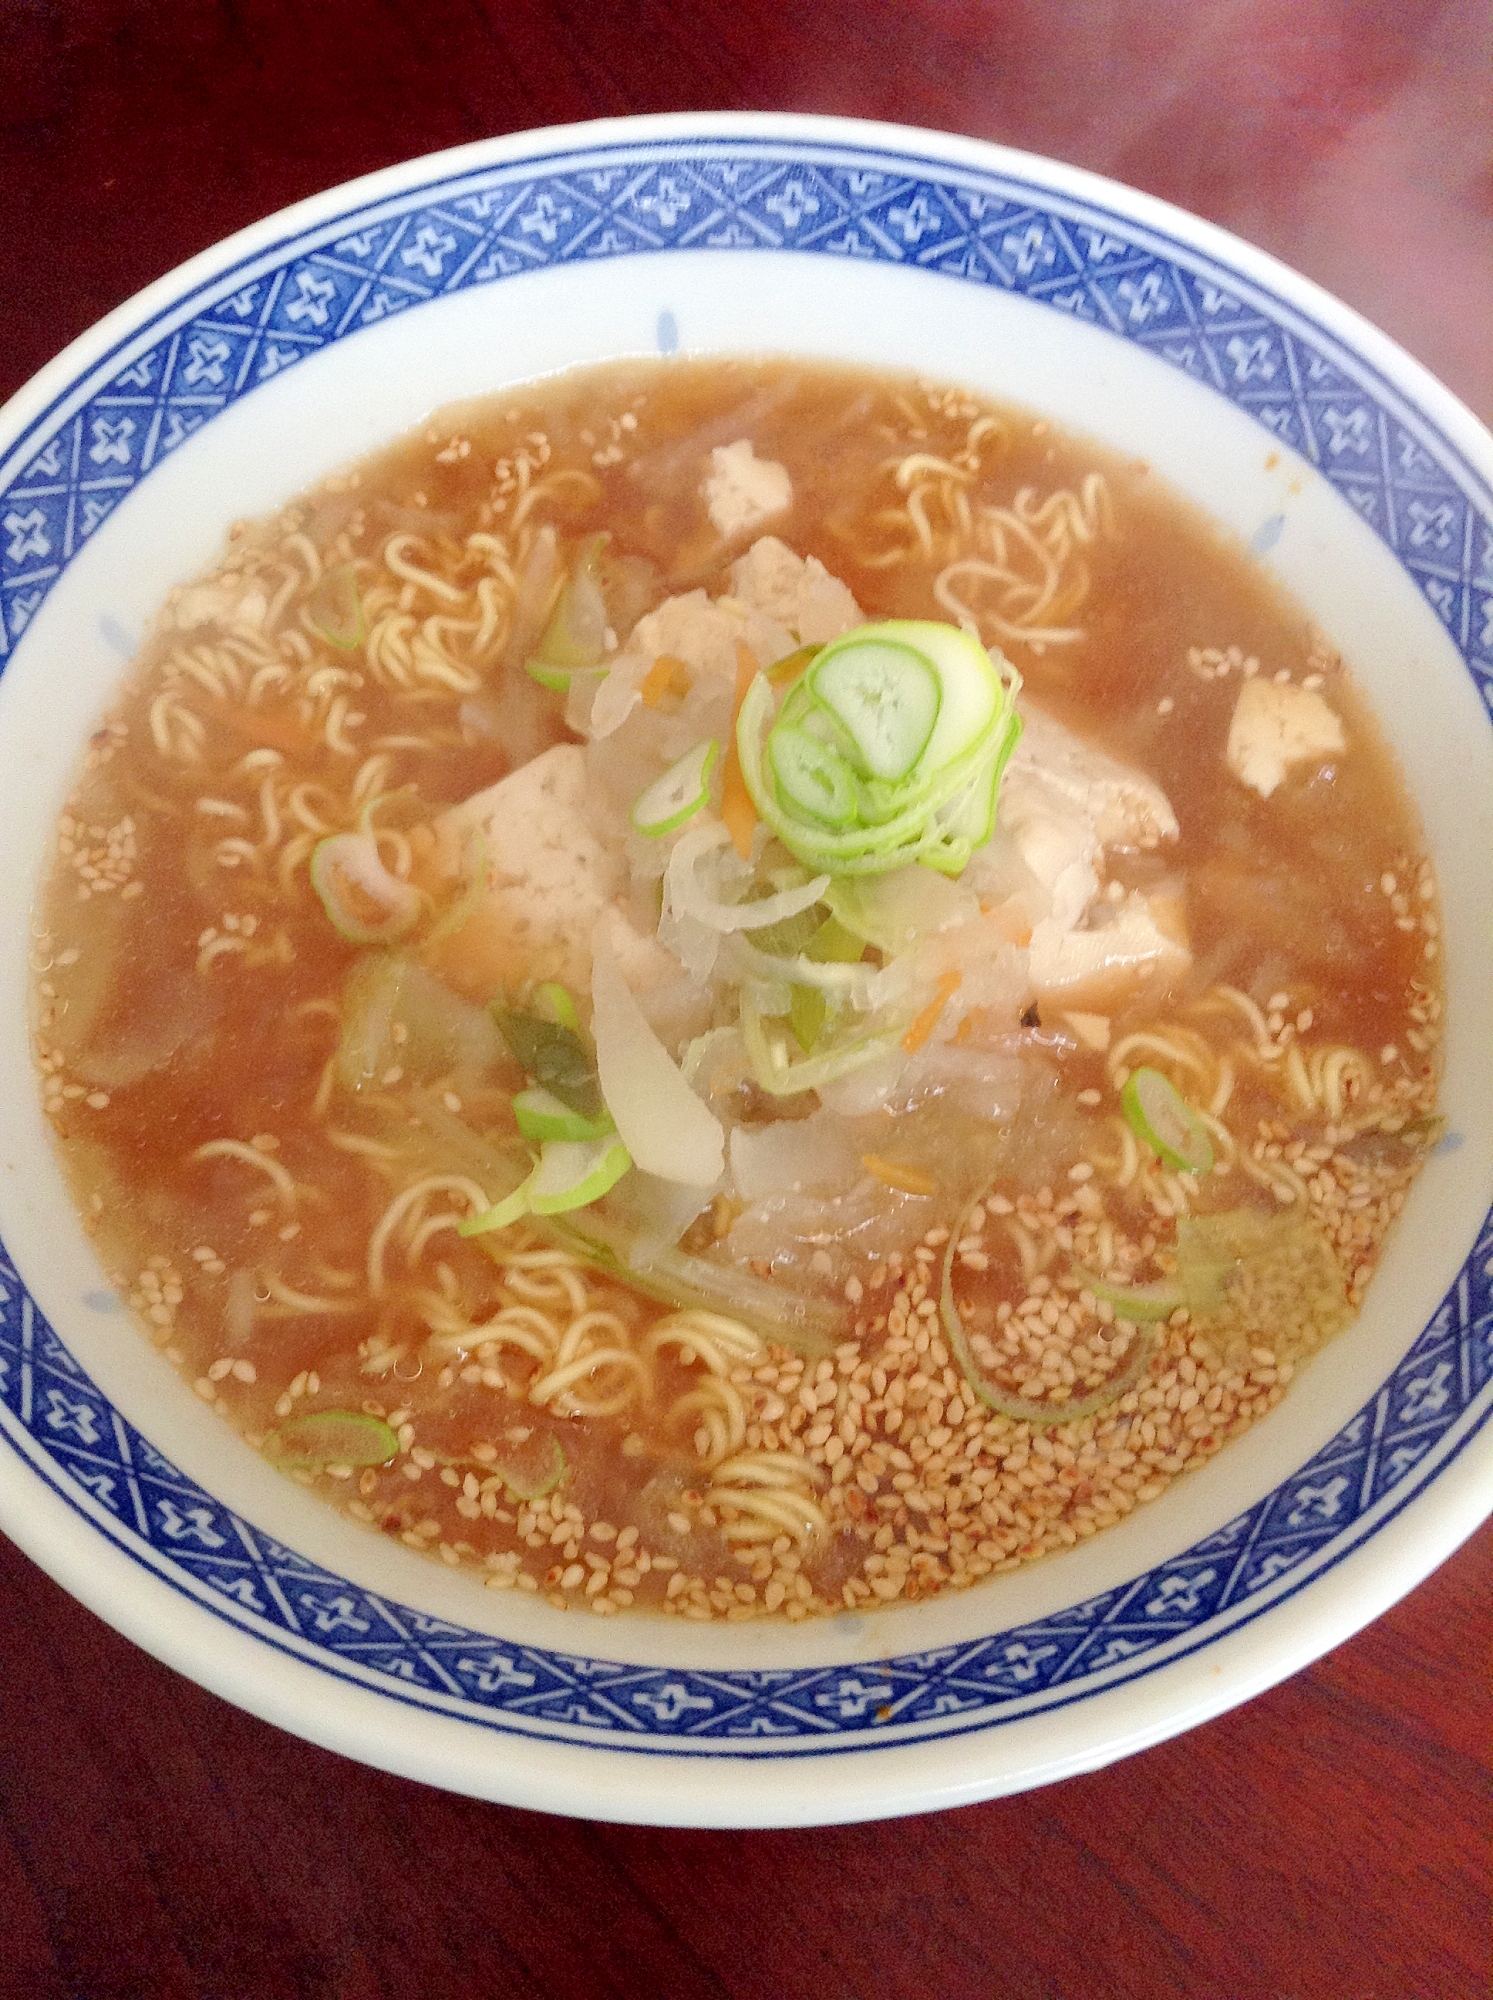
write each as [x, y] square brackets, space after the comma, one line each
[1351, 475]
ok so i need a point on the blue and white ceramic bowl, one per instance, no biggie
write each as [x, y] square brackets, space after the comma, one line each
[299, 344]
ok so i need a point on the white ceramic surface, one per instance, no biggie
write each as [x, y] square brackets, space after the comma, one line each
[233, 383]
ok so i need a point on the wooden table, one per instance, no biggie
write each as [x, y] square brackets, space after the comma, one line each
[1327, 1842]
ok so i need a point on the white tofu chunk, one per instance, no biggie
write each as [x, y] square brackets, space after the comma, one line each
[1275, 726]
[1092, 1030]
[1066, 803]
[796, 591]
[1101, 968]
[551, 872]
[742, 491]
[1052, 766]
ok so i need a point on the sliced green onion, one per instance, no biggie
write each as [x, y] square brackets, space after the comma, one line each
[806, 1013]
[575, 638]
[811, 777]
[569, 1174]
[555, 1056]
[333, 1437]
[935, 808]
[678, 795]
[776, 1070]
[532, 1469]
[1137, 1303]
[371, 806]
[541, 1115]
[1162, 1117]
[1027, 1409]
[974, 694]
[558, 1004]
[884, 694]
[335, 608]
[789, 936]
[365, 903]
[971, 818]
[502, 1215]
[833, 944]
[572, 1173]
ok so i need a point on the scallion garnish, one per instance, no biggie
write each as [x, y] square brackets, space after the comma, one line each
[333, 1437]
[569, 1174]
[575, 638]
[1161, 1116]
[1008, 1402]
[887, 750]
[665, 805]
[334, 609]
[365, 902]
[555, 1056]
[533, 1468]
[541, 1115]
[885, 695]
[557, 1004]
[806, 1012]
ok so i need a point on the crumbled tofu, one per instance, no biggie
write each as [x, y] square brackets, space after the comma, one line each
[742, 491]
[797, 591]
[1275, 726]
[552, 871]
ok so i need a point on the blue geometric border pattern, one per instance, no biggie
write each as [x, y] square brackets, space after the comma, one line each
[1438, 1396]
[838, 202]
[206, 351]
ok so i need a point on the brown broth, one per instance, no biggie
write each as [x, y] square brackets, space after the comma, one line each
[193, 992]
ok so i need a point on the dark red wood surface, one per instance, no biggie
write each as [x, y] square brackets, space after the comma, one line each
[1327, 1842]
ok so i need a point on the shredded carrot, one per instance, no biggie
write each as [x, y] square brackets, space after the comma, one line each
[979, 1026]
[667, 675]
[737, 809]
[927, 1021]
[906, 1180]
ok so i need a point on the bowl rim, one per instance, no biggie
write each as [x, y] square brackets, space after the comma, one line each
[909, 1775]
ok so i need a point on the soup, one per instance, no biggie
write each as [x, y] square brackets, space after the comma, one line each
[739, 988]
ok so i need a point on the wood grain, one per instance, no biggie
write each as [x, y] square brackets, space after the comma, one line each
[1326, 1842]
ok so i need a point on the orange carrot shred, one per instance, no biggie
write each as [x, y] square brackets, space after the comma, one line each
[737, 809]
[927, 1021]
[892, 1174]
[668, 674]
